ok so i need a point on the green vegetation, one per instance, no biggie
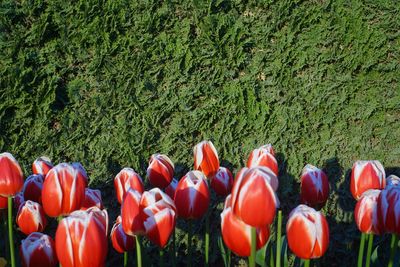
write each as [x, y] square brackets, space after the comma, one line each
[108, 83]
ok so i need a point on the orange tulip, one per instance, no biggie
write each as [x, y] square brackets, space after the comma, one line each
[132, 222]
[263, 156]
[31, 217]
[42, 166]
[81, 171]
[121, 242]
[160, 170]
[366, 213]
[38, 250]
[206, 158]
[11, 180]
[125, 179]
[365, 175]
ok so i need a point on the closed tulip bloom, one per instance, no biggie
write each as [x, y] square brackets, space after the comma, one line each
[121, 242]
[31, 217]
[392, 180]
[81, 238]
[81, 171]
[63, 190]
[132, 222]
[192, 196]
[222, 181]
[3, 203]
[314, 186]
[42, 166]
[125, 179]
[252, 192]
[38, 250]
[366, 213]
[170, 189]
[11, 180]
[33, 188]
[263, 156]
[389, 209]
[18, 200]
[160, 170]
[307, 232]
[92, 199]
[365, 175]
[237, 235]
[206, 158]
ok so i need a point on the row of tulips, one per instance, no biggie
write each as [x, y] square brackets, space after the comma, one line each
[61, 192]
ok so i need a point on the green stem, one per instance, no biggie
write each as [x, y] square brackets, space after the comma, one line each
[125, 258]
[307, 263]
[393, 246]
[361, 250]
[228, 251]
[10, 232]
[207, 238]
[252, 259]
[189, 237]
[369, 250]
[138, 251]
[278, 240]
[161, 257]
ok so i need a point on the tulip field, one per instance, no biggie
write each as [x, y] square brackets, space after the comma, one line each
[199, 133]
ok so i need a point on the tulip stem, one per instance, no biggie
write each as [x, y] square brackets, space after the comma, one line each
[125, 258]
[278, 239]
[361, 250]
[207, 237]
[189, 236]
[307, 263]
[252, 259]
[393, 246]
[10, 232]
[161, 257]
[369, 250]
[138, 252]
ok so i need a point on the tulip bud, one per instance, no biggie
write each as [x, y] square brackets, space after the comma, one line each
[121, 242]
[388, 209]
[365, 175]
[11, 180]
[263, 156]
[170, 189]
[307, 232]
[42, 166]
[38, 250]
[314, 186]
[33, 188]
[160, 170]
[222, 181]
[192, 196]
[125, 179]
[132, 222]
[81, 171]
[81, 238]
[31, 218]
[92, 199]
[206, 158]
[392, 180]
[366, 213]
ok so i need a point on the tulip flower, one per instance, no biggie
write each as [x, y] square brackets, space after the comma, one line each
[121, 242]
[252, 192]
[63, 190]
[222, 181]
[33, 188]
[3, 203]
[42, 166]
[132, 222]
[31, 217]
[18, 200]
[38, 250]
[125, 179]
[366, 213]
[81, 238]
[92, 199]
[170, 189]
[160, 170]
[263, 156]
[81, 171]
[307, 232]
[206, 158]
[365, 175]
[314, 186]
[392, 180]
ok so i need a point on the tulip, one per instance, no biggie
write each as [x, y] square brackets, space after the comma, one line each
[160, 170]
[132, 222]
[33, 188]
[252, 192]
[42, 166]
[81, 171]
[125, 179]
[170, 189]
[366, 213]
[92, 199]
[365, 175]
[263, 156]
[392, 180]
[63, 190]
[81, 238]
[18, 200]
[222, 181]
[206, 158]
[3, 203]
[31, 217]
[38, 250]
[314, 186]
[121, 242]
[307, 232]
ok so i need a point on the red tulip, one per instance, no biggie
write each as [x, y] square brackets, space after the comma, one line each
[392, 180]
[170, 189]
[18, 200]
[63, 190]
[365, 175]
[11, 180]
[3, 203]
[92, 199]
[33, 188]
[314, 186]
[125, 179]
[192, 196]
[366, 213]
[81, 238]
[222, 181]
[263, 156]
[42, 166]
[160, 170]
[121, 242]
[81, 171]
[206, 158]
[388, 209]
[38, 250]
[307, 232]
[237, 234]
[31, 217]
[132, 222]
[253, 191]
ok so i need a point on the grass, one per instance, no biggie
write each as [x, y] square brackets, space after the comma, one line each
[108, 83]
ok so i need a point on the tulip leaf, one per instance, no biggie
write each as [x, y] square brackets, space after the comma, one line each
[225, 252]
[261, 255]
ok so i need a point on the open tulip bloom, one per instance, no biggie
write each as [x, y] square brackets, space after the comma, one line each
[125, 179]
[160, 171]
[314, 186]
[38, 250]
[365, 175]
[263, 156]
[42, 166]
[206, 158]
